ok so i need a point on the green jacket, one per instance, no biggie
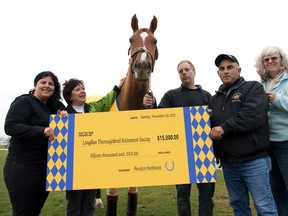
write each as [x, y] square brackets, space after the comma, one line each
[105, 103]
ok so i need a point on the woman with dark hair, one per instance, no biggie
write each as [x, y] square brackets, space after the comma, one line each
[27, 122]
[81, 202]
[54, 101]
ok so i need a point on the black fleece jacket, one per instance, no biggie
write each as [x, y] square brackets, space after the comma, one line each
[25, 123]
[182, 97]
[241, 110]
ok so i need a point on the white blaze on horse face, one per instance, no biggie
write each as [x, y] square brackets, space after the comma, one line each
[143, 35]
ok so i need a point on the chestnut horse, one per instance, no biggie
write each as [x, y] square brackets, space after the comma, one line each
[143, 54]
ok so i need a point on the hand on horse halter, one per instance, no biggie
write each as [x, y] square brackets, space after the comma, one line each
[149, 101]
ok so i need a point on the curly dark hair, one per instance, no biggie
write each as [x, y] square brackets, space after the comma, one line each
[68, 87]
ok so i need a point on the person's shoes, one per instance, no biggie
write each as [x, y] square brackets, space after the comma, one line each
[99, 203]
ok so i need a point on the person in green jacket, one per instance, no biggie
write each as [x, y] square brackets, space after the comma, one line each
[81, 202]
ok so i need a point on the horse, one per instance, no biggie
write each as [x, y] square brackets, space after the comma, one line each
[143, 54]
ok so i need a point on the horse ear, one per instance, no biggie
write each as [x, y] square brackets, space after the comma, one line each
[134, 23]
[153, 24]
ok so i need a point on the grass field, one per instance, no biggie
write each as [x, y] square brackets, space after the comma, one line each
[152, 201]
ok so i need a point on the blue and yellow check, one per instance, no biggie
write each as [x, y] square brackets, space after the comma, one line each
[131, 148]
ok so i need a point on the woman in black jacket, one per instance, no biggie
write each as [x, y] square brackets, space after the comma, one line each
[27, 122]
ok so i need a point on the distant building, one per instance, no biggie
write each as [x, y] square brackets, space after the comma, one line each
[4, 141]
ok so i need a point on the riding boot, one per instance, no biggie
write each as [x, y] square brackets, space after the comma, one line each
[111, 205]
[132, 204]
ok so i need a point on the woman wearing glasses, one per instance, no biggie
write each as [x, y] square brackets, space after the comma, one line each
[272, 66]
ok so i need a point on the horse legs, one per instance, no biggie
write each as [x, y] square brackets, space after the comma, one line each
[112, 199]
[132, 201]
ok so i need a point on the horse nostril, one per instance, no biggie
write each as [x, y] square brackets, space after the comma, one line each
[137, 64]
[142, 64]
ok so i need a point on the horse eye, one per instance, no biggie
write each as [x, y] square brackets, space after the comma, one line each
[155, 41]
[131, 40]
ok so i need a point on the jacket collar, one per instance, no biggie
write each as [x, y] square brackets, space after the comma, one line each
[224, 89]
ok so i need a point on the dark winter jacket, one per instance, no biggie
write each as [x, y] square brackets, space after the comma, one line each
[25, 122]
[241, 110]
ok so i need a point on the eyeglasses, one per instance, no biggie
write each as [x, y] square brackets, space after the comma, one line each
[273, 59]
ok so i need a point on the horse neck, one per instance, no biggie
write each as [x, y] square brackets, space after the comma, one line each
[132, 93]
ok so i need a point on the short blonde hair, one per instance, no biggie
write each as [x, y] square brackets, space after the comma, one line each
[269, 50]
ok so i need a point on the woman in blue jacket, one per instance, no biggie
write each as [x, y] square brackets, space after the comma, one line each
[272, 66]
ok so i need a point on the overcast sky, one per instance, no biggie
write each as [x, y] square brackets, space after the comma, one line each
[89, 40]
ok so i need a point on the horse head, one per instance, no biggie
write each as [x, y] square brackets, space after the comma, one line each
[143, 54]
[143, 49]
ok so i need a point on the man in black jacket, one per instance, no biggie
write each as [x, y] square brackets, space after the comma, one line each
[240, 135]
[188, 94]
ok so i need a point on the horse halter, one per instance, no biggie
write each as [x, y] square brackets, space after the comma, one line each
[149, 54]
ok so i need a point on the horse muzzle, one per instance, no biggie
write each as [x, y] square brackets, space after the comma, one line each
[142, 70]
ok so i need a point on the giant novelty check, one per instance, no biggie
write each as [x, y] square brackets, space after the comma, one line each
[130, 149]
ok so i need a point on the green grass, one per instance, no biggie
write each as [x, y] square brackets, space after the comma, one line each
[152, 201]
